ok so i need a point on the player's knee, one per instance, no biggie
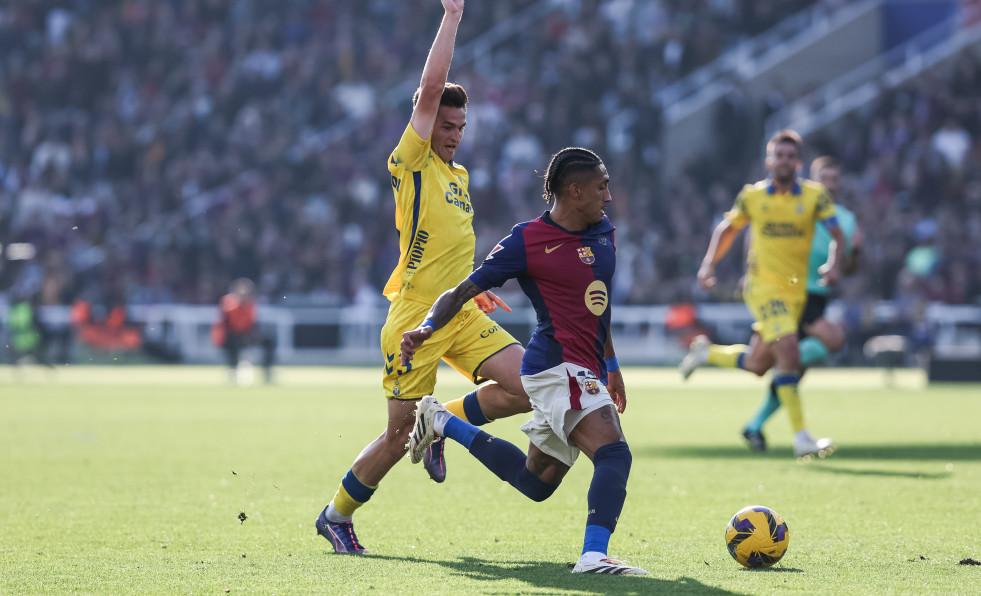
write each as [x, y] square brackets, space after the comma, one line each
[518, 403]
[397, 436]
[534, 487]
[515, 390]
[789, 359]
[755, 366]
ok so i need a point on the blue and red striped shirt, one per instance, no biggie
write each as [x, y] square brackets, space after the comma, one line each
[568, 277]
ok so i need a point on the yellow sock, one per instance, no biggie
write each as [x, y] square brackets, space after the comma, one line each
[727, 356]
[346, 504]
[455, 407]
[790, 398]
[467, 408]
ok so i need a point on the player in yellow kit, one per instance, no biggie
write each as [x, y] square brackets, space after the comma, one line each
[781, 211]
[436, 241]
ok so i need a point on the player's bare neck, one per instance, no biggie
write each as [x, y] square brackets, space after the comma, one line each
[568, 219]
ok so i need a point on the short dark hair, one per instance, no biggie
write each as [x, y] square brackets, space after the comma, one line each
[785, 136]
[567, 163]
[454, 96]
[825, 161]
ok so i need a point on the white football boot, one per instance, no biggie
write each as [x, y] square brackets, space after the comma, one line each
[807, 447]
[423, 434]
[698, 353]
[599, 563]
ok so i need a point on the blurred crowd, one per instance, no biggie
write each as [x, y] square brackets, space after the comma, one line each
[154, 150]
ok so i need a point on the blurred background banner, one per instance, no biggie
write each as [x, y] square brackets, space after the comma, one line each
[153, 151]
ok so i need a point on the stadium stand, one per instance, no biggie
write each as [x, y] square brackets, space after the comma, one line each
[161, 147]
[153, 151]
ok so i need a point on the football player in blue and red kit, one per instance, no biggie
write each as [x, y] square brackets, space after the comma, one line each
[564, 262]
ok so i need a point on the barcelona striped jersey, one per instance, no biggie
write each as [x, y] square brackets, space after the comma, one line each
[568, 277]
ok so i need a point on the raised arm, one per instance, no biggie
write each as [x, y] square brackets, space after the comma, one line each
[722, 239]
[444, 309]
[436, 69]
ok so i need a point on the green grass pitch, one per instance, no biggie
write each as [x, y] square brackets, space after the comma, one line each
[133, 479]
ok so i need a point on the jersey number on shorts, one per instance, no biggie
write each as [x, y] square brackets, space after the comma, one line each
[773, 308]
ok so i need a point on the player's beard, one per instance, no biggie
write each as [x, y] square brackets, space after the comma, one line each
[784, 180]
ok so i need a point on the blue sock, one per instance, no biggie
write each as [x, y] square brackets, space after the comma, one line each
[359, 491]
[471, 407]
[770, 405]
[597, 540]
[607, 492]
[460, 431]
[508, 463]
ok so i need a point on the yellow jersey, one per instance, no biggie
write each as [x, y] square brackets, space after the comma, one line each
[434, 218]
[783, 229]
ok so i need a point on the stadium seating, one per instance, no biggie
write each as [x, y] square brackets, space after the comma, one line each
[152, 151]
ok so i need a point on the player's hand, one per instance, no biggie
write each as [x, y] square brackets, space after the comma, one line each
[614, 384]
[829, 274]
[706, 276]
[488, 302]
[412, 341]
[454, 7]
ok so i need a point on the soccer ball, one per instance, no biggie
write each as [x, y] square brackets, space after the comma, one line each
[757, 536]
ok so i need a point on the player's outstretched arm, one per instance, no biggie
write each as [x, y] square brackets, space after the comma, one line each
[444, 309]
[722, 239]
[436, 69]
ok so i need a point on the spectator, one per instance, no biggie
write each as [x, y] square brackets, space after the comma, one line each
[236, 330]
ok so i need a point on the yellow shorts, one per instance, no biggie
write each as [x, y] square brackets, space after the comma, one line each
[465, 343]
[777, 314]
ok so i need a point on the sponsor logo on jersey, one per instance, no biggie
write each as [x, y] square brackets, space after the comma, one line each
[458, 197]
[782, 229]
[417, 249]
[596, 297]
[586, 255]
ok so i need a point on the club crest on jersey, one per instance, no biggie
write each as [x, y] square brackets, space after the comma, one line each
[591, 387]
[586, 255]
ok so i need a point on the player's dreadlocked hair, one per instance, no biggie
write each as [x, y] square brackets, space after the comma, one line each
[567, 162]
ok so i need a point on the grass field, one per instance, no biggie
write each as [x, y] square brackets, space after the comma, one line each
[132, 480]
